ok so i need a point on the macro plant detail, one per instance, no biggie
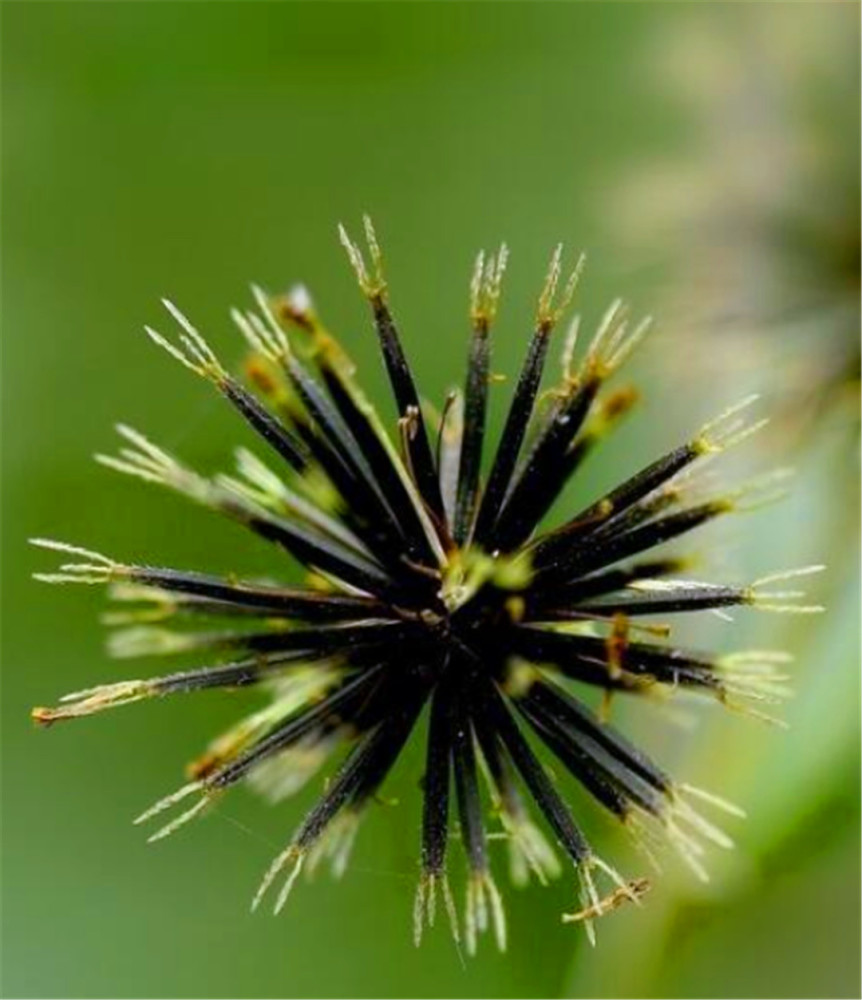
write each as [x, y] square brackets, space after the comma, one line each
[435, 590]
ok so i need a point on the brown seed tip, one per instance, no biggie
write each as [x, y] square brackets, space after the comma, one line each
[203, 766]
[43, 716]
[631, 892]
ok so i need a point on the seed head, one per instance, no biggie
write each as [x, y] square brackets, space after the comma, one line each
[433, 588]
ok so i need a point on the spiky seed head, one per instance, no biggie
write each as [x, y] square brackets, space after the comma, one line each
[438, 586]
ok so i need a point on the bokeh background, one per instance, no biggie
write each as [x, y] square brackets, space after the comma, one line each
[706, 156]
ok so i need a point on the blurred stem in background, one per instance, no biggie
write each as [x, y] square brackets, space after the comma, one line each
[754, 221]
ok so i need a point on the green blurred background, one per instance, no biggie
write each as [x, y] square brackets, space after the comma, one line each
[184, 149]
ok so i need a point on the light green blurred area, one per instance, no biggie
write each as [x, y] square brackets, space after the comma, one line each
[185, 149]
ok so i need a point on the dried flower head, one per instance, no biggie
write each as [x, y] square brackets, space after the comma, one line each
[431, 586]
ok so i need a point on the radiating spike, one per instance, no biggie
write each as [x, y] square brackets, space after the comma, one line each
[544, 313]
[177, 822]
[289, 883]
[168, 801]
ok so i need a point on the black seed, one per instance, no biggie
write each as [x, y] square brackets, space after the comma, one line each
[514, 432]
